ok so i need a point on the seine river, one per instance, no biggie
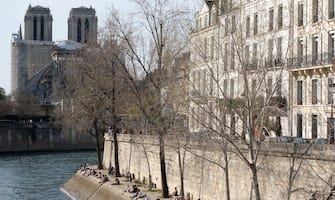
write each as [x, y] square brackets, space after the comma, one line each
[39, 175]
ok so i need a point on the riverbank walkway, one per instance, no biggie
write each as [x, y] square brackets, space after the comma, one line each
[90, 188]
[153, 194]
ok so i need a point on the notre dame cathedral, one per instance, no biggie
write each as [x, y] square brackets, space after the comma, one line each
[36, 60]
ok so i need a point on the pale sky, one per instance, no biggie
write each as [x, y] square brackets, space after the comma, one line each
[13, 11]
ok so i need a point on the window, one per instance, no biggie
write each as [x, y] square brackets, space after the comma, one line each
[226, 26]
[232, 59]
[225, 88]
[203, 82]
[247, 26]
[314, 126]
[315, 11]
[280, 16]
[269, 87]
[255, 24]
[230, 4]
[279, 86]
[315, 50]
[79, 30]
[331, 9]
[300, 52]
[270, 49]
[254, 85]
[330, 94]
[42, 28]
[232, 124]
[225, 58]
[314, 91]
[271, 19]
[232, 87]
[299, 93]
[247, 55]
[224, 119]
[35, 28]
[233, 24]
[211, 84]
[300, 14]
[331, 46]
[279, 50]
[87, 28]
[299, 125]
[192, 121]
[254, 54]
[198, 80]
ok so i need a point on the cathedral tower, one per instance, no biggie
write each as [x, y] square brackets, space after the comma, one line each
[82, 25]
[38, 24]
[29, 55]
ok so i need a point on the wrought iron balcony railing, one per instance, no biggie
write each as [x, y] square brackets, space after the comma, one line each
[311, 60]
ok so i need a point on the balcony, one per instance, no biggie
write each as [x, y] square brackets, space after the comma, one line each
[311, 60]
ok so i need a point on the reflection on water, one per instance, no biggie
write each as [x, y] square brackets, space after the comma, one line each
[39, 175]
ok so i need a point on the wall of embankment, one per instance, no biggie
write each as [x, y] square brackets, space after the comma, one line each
[296, 169]
[82, 187]
[36, 136]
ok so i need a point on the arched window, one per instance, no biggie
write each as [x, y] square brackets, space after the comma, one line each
[87, 28]
[42, 28]
[35, 28]
[79, 30]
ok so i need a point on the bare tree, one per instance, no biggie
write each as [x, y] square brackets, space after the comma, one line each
[151, 44]
[91, 86]
[236, 87]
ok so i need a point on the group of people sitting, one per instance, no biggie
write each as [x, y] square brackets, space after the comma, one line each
[86, 170]
[138, 194]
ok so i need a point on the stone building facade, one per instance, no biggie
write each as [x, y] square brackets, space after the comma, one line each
[291, 42]
[34, 66]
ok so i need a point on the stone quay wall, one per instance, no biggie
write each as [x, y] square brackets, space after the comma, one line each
[310, 166]
[39, 136]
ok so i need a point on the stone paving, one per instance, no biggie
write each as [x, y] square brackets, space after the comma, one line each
[154, 195]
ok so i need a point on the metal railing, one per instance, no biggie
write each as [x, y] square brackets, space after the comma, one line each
[310, 60]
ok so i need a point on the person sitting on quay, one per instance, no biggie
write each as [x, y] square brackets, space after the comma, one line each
[146, 197]
[87, 172]
[103, 179]
[112, 171]
[127, 188]
[117, 182]
[139, 195]
[135, 189]
[99, 175]
[175, 194]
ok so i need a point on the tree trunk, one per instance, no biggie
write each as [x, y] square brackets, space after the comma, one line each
[181, 172]
[255, 181]
[150, 184]
[165, 189]
[226, 171]
[114, 118]
[98, 147]
[116, 155]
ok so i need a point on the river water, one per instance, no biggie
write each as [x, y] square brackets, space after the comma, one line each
[39, 175]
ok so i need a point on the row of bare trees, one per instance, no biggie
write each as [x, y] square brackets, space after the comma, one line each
[129, 71]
